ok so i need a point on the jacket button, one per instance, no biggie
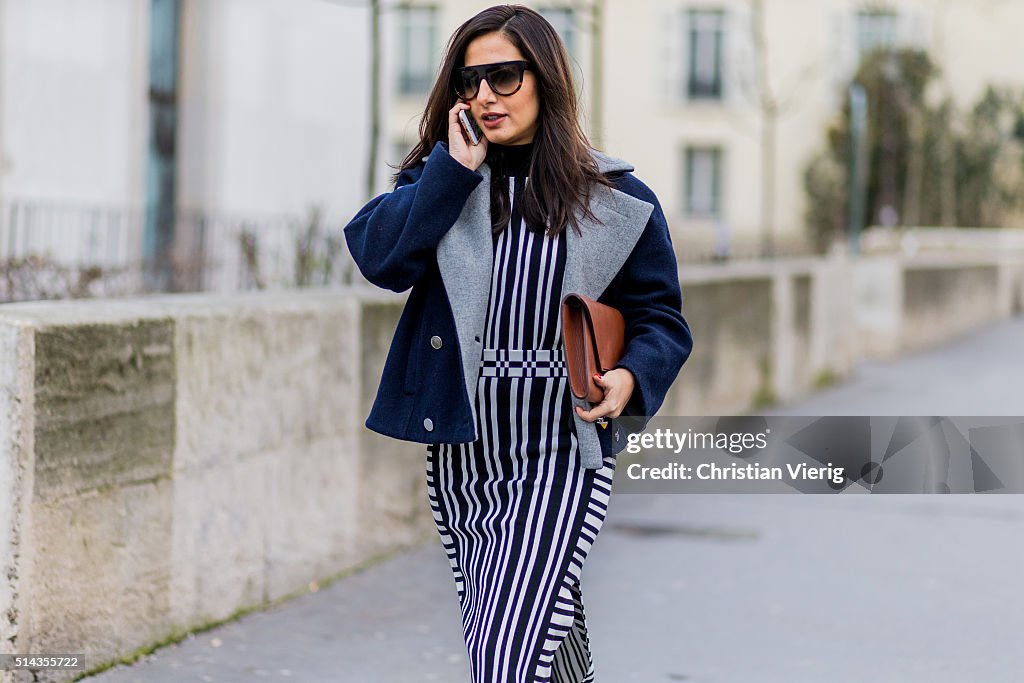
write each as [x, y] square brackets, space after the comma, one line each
[435, 341]
[428, 424]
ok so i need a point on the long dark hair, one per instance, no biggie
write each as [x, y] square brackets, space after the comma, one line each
[562, 171]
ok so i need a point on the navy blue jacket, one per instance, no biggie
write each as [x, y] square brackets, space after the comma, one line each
[428, 234]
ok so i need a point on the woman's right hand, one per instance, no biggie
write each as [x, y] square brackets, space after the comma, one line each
[459, 146]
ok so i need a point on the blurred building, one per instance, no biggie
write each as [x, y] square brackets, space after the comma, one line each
[126, 123]
[687, 85]
[225, 113]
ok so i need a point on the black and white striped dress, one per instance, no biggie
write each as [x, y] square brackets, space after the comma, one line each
[516, 510]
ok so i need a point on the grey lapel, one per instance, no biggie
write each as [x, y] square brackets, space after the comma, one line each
[465, 258]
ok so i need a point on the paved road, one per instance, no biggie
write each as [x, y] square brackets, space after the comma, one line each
[713, 588]
[981, 373]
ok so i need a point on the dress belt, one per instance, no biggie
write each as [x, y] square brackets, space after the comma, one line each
[523, 363]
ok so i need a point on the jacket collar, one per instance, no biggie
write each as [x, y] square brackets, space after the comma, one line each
[609, 164]
[465, 257]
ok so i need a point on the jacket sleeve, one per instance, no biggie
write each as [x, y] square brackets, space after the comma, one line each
[394, 237]
[658, 338]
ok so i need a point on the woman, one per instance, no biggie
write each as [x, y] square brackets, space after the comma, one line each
[490, 237]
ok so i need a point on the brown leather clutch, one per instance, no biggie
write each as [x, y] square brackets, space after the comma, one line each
[593, 336]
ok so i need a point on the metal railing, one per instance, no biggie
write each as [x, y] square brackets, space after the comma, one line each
[63, 250]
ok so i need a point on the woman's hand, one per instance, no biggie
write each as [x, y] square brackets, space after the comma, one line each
[459, 146]
[618, 385]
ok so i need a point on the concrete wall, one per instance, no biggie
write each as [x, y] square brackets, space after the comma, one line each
[168, 461]
[165, 462]
[763, 333]
[904, 305]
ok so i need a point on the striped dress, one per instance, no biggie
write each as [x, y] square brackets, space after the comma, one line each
[516, 510]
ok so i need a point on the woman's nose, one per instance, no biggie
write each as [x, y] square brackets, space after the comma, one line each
[484, 93]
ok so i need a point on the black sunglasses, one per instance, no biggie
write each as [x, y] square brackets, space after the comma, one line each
[504, 78]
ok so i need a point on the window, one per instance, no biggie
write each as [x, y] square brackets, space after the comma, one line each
[703, 182]
[417, 36]
[875, 29]
[704, 79]
[565, 23]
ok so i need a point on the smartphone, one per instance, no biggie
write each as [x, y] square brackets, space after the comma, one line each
[470, 126]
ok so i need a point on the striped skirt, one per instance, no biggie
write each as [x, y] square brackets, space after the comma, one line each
[517, 514]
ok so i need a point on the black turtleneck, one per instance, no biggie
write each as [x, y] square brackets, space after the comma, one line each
[512, 170]
[516, 159]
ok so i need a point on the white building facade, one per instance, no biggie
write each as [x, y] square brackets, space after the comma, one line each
[686, 86]
[272, 108]
[271, 119]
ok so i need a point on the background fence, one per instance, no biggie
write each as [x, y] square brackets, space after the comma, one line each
[50, 250]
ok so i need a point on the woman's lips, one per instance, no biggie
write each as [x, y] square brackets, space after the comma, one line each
[493, 123]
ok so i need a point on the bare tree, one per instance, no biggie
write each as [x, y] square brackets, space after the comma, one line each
[773, 104]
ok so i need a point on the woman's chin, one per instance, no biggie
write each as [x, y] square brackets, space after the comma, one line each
[499, 137]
